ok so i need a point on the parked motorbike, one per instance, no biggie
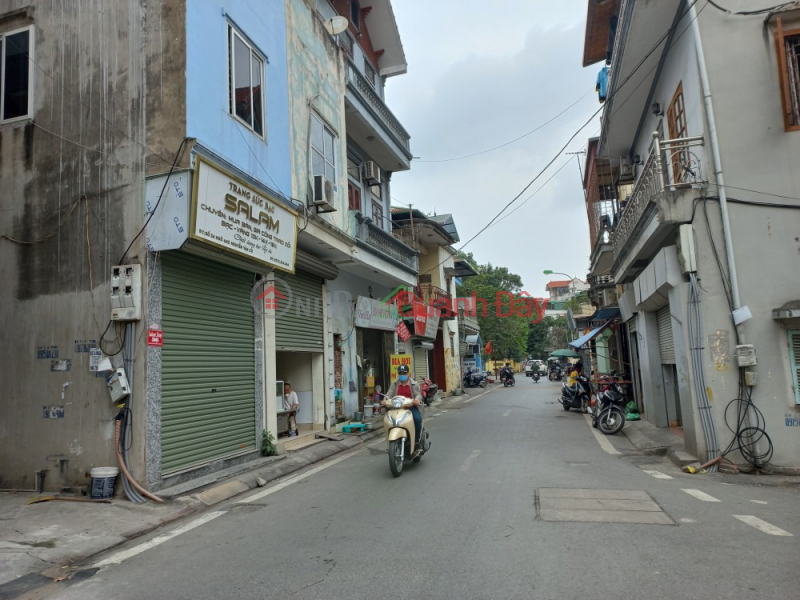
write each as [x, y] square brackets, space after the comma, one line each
[507, 377]
[607, 413]
[580, 397]
[429, 390]
[400, 433]
[475, 379]
[535, 376]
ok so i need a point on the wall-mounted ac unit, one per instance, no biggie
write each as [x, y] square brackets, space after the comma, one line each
[324, 194]
[372, 173]
[625, 169]
[609, 297]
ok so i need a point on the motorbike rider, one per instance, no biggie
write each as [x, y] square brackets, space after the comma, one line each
[574, 371]
[408, 388]
[507, 373]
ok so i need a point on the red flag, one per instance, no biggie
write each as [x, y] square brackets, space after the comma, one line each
[488, 348]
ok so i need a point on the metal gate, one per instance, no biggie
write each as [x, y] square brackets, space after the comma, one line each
[420, 364]
[207, 362]
[666, 343]
[301, 327]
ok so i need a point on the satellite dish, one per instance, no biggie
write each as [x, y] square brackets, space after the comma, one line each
[336, 25]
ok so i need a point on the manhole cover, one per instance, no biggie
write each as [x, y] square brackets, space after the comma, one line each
[599, 506]
[646, 460]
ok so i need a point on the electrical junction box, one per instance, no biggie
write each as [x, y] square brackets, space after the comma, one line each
[126, 293]
[118, 385]
[746, 355]
[687, 256]
[750, 378]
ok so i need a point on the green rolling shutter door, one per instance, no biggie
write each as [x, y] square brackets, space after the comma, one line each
[207, 362]
[301, 327]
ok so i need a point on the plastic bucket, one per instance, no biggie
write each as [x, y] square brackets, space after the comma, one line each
[103, 481]
[358, 417]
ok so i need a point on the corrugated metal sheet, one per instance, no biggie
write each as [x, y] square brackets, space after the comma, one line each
[302, 326]
[794, 348]
[420, 364]
[666, 344]
[207, 362]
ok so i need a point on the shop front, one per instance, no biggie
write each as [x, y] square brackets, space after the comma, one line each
[375, 324]
[206, 385]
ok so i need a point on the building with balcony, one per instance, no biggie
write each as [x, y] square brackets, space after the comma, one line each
[693, 209]
[436, 342]
[346, 146]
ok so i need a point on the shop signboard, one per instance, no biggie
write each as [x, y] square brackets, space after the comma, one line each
[232, 215]
[375, 314]
[396, 361]
[432, 325]
[420, 312]
[402, 332]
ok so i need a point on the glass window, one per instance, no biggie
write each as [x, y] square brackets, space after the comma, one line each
[377, 214]
[355, 14]
[323, 149]
[353, 169]
[369, 72]
[246, 82]
[16, 80]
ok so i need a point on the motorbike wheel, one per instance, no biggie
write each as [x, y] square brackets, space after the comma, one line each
[396, 458]
[483, 383]
[565, 404]
[611, 421]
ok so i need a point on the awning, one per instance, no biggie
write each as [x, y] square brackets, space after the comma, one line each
[589, 336]
[605, 313]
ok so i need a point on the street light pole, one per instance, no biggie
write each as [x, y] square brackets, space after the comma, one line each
[571, 278]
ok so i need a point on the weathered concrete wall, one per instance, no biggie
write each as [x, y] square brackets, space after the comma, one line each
[316, 83]
[108, 104]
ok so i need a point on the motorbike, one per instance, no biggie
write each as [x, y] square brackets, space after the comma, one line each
[507, 378]
[580, 397]
[555, 374]
[475, 379]
[429, 390]
[535, 376]
[400, 433]
[607, 413]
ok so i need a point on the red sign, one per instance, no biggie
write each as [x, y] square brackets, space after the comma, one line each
[420, 317]
[402, 332]
[155, 337]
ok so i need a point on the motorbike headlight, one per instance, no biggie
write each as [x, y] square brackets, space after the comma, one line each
[397, 402]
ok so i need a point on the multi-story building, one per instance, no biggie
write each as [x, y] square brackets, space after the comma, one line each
[693, 210]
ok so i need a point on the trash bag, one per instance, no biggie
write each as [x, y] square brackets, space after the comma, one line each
[631, 407]
[632, 416]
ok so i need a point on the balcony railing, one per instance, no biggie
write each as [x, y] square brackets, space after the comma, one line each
[682, 170]
[432, 295]
[468, 321]
[366, 92]
[375, 238]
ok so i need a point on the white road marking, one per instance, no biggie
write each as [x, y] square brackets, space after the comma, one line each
[607, 446]
[478, 396]
[508, 412]
[444, 411]
[117, 558]
[701, 495]
[762, 525]
[657, 474]
[685, 520]
[470, 459]
[295, 479]
[759, 501]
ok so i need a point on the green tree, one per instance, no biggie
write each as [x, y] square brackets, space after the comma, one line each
[508, 334]
[545, 337]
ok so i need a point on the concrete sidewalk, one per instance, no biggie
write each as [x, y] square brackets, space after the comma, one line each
[46, 538]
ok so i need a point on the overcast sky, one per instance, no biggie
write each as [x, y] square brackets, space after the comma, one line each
[481, 74]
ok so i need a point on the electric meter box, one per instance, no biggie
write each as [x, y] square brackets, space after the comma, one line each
[746, 355]
[126, 293]
[118, 386]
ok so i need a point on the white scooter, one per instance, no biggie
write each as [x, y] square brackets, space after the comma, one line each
[401, 433]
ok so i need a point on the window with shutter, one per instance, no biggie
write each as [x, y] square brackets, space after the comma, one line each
[787, 49]
[794, 356]
[354, 196]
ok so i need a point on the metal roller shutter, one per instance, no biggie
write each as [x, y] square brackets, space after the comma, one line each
[420, 364]
[666, 344]
[302, 326]
[207, 362]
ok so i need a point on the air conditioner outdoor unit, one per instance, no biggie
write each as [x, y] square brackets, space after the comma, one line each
[625, 169]
[609, 297]
[324, 194]
[372, 172]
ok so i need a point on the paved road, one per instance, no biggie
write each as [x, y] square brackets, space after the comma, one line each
[463, 523]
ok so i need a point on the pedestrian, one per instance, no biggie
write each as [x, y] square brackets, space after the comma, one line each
[290, 402]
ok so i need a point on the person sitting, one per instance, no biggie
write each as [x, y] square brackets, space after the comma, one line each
[290, 402]
[408, 388]
[575, 370]
[507, 372]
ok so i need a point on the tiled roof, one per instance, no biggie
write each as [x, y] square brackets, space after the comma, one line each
[558, 284]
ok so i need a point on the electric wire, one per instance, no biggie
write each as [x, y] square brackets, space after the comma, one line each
[747, 13]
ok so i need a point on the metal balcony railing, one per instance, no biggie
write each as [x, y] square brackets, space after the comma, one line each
[438, 298]
[375, 238]
[359, 84]
[671, 165]
[468, 321]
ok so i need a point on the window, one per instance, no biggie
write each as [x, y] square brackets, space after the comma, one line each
[353, 169]
[376, 190]
[323, 155]
[355, 14]
[377, 214]
[16, 74]
[369, 72]
[676, 121]
[787, 47]
[246, 74]
[347, 42]
[353, 196]
[794, 357]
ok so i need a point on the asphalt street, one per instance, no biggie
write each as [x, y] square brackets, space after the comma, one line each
[516, 499]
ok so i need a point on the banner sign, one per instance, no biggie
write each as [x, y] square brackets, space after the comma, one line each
[402, 332]
[231, 215]
[375, 314]
[396, 361]
[420, 312]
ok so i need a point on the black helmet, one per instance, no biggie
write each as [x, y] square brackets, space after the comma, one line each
[402, 369]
